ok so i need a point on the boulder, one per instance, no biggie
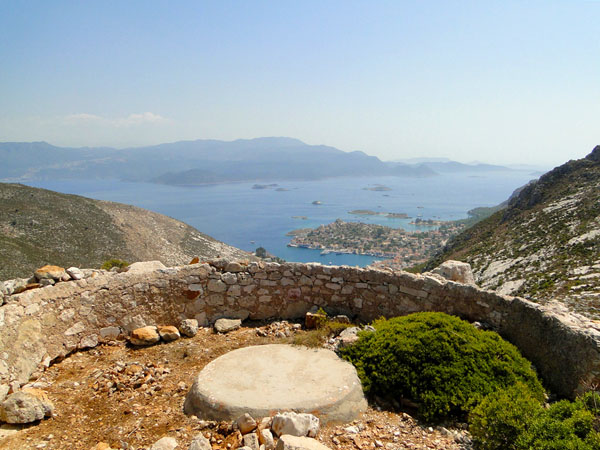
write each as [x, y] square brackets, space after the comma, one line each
[288, 442]
[145, 266]
[165, 443]
[49, 273]
[296, 424]
[227, 325]
[246, 423]
[199, 442]
[26, 406]
[189, 327]
[144, 336]
[168, 333]
[456, 271]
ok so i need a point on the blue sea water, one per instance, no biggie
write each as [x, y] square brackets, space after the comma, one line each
[248, 218]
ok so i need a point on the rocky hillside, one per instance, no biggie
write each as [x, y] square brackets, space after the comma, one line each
[38, 227]
[546, 244]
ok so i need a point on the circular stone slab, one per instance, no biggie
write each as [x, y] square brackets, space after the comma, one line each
[262, 380]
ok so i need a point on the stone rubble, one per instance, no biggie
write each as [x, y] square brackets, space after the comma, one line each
[227, 325]
[295, 424]
[189, 327]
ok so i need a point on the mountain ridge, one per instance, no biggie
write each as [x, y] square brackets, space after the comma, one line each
[545, 245]
[259, 159]
[38, 227]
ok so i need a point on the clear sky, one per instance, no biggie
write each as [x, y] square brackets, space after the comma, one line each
[496, 81]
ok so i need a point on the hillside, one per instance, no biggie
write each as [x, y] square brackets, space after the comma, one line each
[195, 162]
[546, 244]
[38, 227]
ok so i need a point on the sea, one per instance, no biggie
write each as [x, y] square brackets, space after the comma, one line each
[241, 215]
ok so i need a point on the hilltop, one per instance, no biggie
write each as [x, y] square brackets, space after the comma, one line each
[545, 244]
[38, 226]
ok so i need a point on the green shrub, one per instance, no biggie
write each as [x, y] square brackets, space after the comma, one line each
[512, 419]
[503, 416]
[114, 262]
[564, 426]
[441, 362]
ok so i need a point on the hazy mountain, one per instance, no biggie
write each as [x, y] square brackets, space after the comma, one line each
[195, 162]
[546, 243]
[40, 227]
[456, 167]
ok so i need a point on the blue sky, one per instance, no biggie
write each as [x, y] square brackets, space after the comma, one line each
[496, 81]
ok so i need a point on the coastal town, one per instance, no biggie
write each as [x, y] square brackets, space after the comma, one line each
[398, 248]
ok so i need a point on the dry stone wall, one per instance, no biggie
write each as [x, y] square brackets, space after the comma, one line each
[41, 325]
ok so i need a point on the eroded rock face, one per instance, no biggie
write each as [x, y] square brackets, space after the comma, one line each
[456, 271]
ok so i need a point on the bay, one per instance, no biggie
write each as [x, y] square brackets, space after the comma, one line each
[247, 218]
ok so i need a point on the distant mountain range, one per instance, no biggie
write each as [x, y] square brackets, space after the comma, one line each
[208, 161]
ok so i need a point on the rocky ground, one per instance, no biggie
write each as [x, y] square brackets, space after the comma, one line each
[131, 397]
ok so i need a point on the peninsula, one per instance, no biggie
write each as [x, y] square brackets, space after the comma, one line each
[399, 247]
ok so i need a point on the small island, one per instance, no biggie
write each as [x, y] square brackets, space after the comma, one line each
[368, 212]
[264, 186]
[377, 188]
[317, 202]
[300, 217]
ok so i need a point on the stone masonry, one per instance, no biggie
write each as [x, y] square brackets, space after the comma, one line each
[45, 324]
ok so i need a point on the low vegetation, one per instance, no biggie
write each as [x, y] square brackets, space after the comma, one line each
[114, 262]
[440, 362]
[512, 419]
[453, 371]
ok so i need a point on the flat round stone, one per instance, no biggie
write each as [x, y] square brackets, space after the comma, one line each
[262, 380]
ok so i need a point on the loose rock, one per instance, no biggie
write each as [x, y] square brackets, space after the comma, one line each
[288, 442]
[246, 423]
[49, 272]
[227, 325]
[26, 406]
[168, 333]
[199, 443]
[75, 273]
[144, 336]
[251, 440]
[295, 424]
[189, 327]
[456, 271]
[166, 443]
[265, 437]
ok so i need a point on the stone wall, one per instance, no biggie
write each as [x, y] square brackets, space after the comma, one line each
[44, 324]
